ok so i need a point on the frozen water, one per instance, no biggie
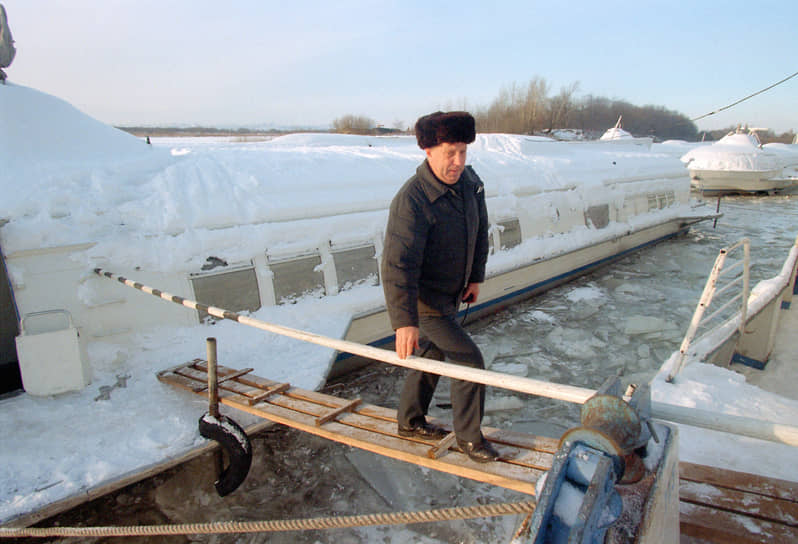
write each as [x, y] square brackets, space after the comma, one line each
[629, 317]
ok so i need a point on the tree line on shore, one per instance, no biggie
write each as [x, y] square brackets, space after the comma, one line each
[533, 109]
[521, 109]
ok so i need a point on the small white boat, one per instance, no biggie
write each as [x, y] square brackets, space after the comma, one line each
[617, 134]
[737, 163]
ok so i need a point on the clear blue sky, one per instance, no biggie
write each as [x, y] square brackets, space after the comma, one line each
[249, 62]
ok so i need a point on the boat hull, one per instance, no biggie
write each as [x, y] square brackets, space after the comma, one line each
[736, 182]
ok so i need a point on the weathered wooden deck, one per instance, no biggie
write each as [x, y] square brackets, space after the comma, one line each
[715, 505]
[724, 506]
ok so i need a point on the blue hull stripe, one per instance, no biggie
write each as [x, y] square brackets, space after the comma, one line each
[748, 361]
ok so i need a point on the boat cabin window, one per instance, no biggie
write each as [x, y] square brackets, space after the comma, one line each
[356, 266]
[661, 200]
[235, 290]
[597, 216]
[509, 233]
[297, 277]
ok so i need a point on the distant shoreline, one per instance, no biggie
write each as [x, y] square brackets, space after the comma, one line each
[248, 133]
[160, 132]
[167, 132]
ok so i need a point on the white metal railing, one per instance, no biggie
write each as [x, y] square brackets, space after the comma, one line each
[719, 287]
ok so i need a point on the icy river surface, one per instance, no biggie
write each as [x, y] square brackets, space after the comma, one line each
[628, 317]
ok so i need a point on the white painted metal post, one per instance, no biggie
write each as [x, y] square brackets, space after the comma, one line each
[746, 275]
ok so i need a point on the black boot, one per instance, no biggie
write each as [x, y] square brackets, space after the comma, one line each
[481, 452]
[424, 430]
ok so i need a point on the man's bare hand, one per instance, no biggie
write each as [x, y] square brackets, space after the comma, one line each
[406, 341]
[471, 294]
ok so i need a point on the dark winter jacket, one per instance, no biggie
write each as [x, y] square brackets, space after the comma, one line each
[436, 243]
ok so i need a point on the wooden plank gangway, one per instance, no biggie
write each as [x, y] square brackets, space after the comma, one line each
[715, 505]
[524, 458]
[718, 505]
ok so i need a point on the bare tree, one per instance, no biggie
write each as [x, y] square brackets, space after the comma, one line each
[561, 107]
[517, 109]
[535, 104]
[354, 124]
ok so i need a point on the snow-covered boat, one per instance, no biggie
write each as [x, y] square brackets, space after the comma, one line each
[737, 163]
[789, 158]
[617, 135]
[289, 230]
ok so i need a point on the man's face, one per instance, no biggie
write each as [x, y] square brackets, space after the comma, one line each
[447, 161]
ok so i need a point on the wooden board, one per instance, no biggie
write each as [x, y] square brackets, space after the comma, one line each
[524, 458]
[719, 505]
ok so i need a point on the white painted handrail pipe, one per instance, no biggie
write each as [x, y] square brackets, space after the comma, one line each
[487, 377]
[496, 379]
[727, 423]
[753, 428]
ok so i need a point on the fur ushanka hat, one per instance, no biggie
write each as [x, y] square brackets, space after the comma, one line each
[451, 126]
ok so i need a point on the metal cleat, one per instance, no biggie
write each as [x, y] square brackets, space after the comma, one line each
[578, 501]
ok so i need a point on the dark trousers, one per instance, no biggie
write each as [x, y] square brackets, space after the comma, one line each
[444, 339]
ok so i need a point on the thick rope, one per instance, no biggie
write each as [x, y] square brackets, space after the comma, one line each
[225, 527]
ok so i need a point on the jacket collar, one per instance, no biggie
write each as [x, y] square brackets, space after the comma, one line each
[433, 187]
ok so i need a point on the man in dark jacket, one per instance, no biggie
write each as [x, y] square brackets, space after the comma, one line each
[436, 247]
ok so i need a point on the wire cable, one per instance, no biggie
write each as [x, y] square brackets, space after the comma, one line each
[746, 98]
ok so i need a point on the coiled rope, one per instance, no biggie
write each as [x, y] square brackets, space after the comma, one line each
[226, 527]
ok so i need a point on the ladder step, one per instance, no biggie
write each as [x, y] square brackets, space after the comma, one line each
[442, 446]
[279, 388]
[348, 407]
